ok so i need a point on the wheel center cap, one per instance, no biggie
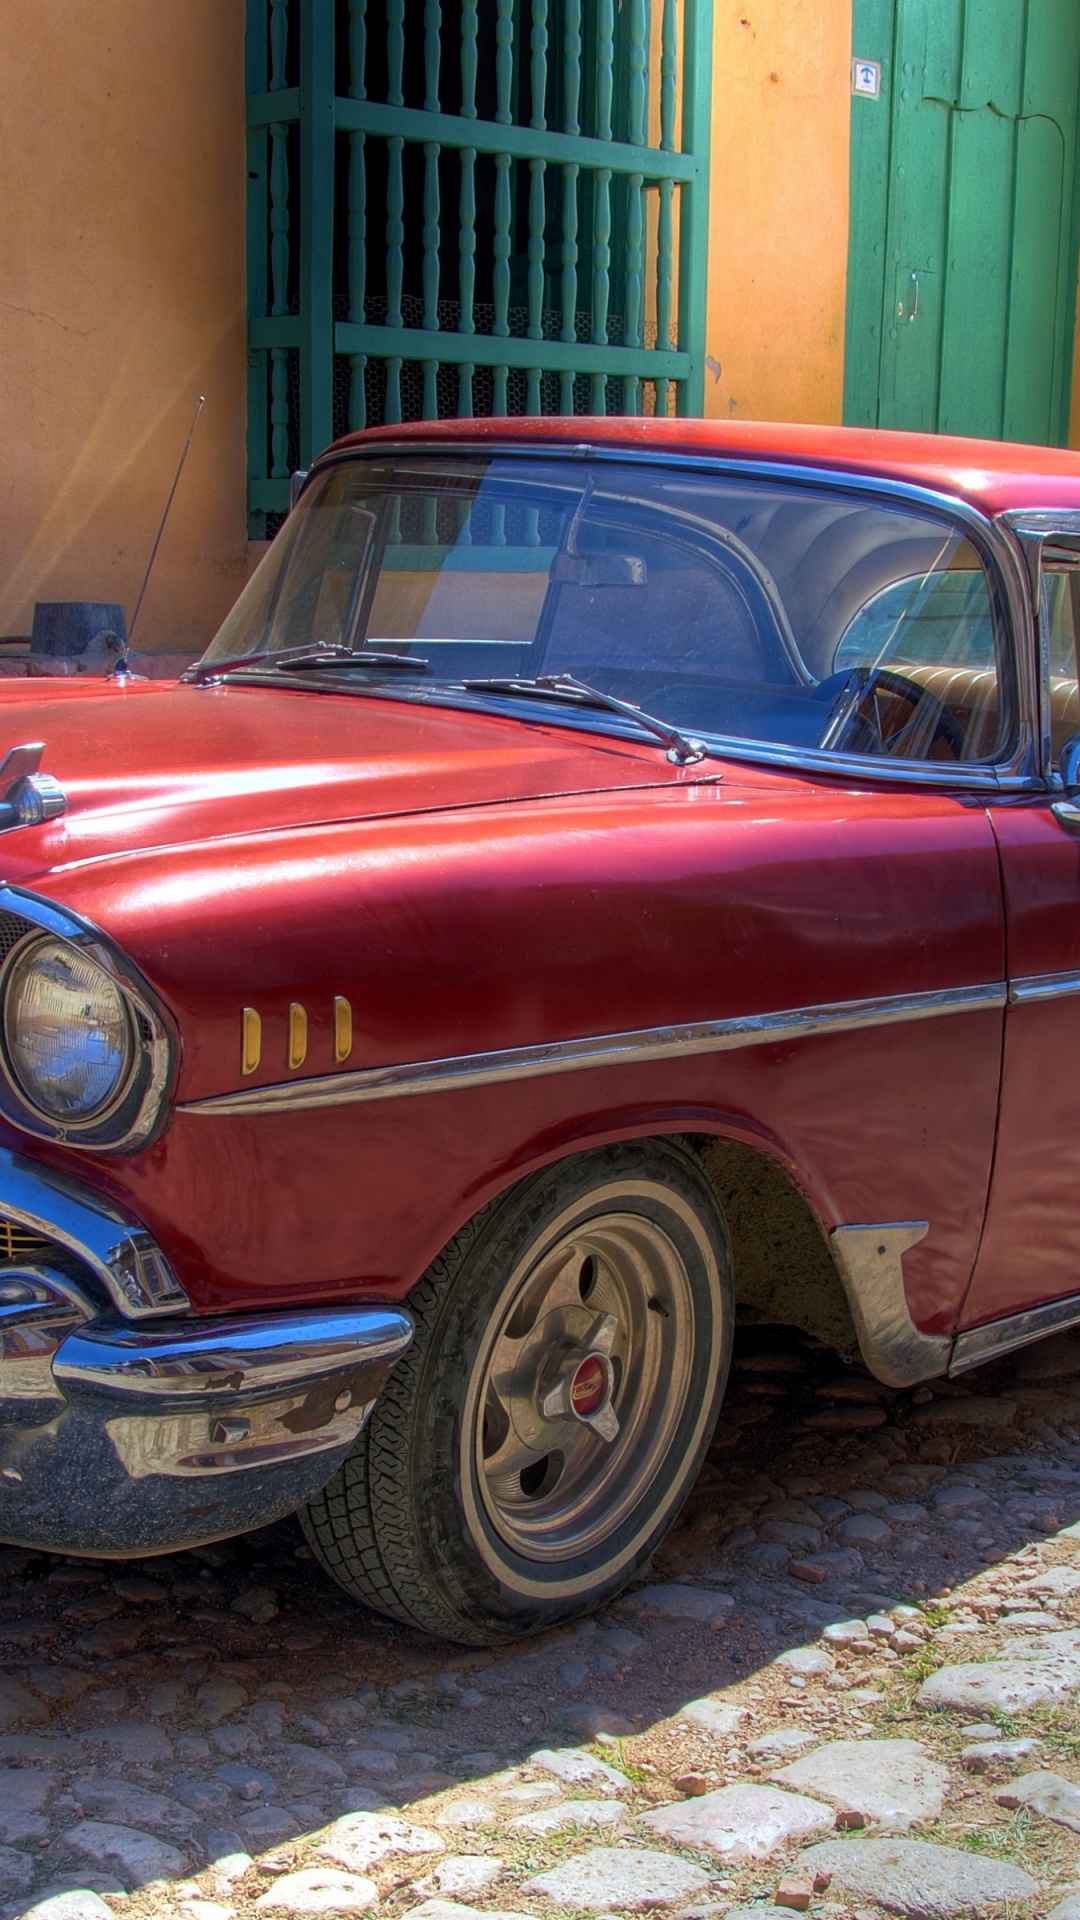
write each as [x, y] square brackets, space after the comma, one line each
[578, 1382]
[589, 1386]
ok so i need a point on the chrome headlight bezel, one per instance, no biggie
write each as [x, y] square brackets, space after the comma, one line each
[139, 1105]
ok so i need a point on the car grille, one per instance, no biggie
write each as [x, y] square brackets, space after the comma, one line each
[20, 1243]
[12, 928]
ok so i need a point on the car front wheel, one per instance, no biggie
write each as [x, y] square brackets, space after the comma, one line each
[537, 1440]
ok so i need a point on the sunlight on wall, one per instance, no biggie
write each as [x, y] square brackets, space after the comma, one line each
[779, 209]
[122, 154]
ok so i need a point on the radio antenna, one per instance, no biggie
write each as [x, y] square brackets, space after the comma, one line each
[199, 405]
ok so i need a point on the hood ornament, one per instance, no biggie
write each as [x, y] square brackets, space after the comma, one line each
[29, 797]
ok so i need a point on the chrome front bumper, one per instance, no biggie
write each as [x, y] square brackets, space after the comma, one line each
[124, 1436]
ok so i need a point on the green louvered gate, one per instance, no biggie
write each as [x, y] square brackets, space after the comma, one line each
[464, 207]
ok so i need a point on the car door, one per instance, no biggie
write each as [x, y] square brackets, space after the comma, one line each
[1027, 1277]
[858, 639]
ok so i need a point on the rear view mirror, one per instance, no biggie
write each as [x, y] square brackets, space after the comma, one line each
[599, 570]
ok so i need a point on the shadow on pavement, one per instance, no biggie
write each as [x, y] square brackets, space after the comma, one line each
[230, 1700]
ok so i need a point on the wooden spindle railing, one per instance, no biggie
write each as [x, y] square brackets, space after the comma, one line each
[569, 287]
[279, 246]
[613, 218]
[357, 190]
[634, 291]
[538, 68]
[665, 239]
[469, 30]
[601, 250]
[431, 235]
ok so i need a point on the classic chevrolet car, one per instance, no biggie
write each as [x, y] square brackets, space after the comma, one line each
[602, 873]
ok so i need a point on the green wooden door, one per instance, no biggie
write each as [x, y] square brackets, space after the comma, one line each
[962, 266]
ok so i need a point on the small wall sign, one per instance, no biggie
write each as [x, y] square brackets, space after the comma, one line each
[866, 78]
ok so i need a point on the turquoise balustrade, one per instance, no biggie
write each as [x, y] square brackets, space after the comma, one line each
[468, 207]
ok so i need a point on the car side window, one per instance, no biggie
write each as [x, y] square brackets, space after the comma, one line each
[925, 651]
[893, 620]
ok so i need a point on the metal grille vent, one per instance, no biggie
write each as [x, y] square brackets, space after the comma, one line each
[18, 1243]
[12, 928]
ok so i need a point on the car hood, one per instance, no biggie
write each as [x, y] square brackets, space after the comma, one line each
[150, 765]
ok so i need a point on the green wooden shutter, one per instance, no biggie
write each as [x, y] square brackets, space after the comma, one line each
[962, 266]
[461, 207]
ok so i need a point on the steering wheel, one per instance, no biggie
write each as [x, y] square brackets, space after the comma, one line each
[863, 731]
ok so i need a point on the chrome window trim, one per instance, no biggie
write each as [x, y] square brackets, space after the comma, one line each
[1021, 771]
[1041, 522]
[1030, 528]
[155, 1048]
[602, 1050]
[1042, 654]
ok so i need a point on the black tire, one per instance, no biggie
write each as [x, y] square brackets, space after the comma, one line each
[431, 1520]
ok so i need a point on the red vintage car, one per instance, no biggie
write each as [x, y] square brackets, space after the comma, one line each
[603, 871]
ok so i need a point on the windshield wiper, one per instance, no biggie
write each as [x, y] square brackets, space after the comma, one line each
[682, 751]
[353, 657]
[303, 659]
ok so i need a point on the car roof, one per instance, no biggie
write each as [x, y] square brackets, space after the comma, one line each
[993, 475]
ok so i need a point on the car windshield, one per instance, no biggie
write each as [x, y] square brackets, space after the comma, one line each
[735, 608]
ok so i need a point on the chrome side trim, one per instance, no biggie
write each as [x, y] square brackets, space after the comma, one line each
[870, 1263]
[603, 1050]
[997, 1337]
[1043, 986]
[126, 1259]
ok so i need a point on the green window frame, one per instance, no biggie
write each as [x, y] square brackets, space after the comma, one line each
[466, 207]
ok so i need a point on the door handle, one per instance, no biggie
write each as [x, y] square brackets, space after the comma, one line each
[913, 303]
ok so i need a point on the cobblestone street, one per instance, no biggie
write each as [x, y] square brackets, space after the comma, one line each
[222, 1732]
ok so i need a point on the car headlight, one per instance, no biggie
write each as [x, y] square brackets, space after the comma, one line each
[68, 1032]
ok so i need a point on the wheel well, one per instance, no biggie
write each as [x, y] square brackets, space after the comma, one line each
[784, 1271]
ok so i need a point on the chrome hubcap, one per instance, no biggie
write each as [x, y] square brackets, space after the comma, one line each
[583, 1384]
[582, 1381]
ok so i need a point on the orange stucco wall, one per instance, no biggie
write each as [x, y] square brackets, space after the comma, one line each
[779, 209]
[122, 299]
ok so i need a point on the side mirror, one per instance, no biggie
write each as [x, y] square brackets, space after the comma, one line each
[1067, 809]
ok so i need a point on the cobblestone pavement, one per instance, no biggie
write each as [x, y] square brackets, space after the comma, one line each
[848, 1686]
